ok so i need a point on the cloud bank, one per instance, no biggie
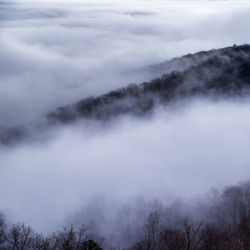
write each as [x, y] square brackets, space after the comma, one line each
[179, 153]
[54, 53]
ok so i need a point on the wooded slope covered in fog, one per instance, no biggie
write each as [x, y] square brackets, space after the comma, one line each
[215, 74]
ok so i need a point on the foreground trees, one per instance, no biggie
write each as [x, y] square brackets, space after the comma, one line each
[22, 237]
[222, 223]
[194, 236]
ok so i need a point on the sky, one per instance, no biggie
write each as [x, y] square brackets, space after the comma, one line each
[56, 52]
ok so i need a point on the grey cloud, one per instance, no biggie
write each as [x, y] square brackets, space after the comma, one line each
[184, 152]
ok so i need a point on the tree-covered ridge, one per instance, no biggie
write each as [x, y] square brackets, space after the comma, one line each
[224, 73]
[213, 74]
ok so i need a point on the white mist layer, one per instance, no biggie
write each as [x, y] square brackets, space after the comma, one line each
[183, 152]
[56, 52]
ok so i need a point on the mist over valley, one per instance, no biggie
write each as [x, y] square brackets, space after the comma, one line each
[124, 124]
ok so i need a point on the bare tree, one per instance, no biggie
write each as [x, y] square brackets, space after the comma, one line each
[70, 238]
[2, 229]
[173, 240]
[152, 230]
[210, 237]
[191, 232]
[19, 237]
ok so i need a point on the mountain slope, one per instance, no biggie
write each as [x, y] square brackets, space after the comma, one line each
[222, 73]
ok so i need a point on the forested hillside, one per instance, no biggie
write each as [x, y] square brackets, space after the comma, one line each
[217, 74]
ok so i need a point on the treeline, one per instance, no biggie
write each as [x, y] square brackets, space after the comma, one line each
[221, 222]
[22, 237]
[199, 236]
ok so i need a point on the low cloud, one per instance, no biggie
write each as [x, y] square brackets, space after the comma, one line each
[53, 53]
[180, 152]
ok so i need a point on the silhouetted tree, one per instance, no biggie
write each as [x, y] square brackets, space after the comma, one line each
[90, 245]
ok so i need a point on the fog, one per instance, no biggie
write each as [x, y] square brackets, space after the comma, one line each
[179, 152]
[54, 53]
